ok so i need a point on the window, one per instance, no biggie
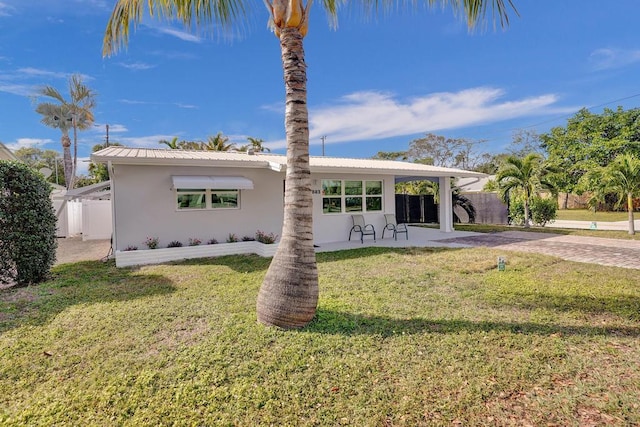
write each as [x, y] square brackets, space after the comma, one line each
[192, 199]
[347, 196]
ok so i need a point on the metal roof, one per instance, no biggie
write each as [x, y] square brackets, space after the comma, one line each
[5, 153]
[167, 157]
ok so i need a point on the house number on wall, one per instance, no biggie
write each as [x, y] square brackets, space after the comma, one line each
[315, 191]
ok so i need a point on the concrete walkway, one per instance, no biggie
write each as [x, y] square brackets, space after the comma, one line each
[595, 225]
[594, 250]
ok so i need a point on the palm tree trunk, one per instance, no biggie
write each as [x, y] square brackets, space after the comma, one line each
[526, 213]
[632, 227]
[75, 153]
[68, 162]
[288, 296]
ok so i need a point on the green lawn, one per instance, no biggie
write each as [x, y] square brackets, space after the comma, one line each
[402, 338]
[589, 215]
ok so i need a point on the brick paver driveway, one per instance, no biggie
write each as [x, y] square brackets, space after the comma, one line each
[595, 250]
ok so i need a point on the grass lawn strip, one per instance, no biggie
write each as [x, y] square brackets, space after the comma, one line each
[402, 337]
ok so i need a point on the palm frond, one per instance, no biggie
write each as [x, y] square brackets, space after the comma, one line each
[191, 13]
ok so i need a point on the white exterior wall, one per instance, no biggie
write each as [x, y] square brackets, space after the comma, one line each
[335, 227]
[145, 205]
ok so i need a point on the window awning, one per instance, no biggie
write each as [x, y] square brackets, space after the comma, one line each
[212, 182]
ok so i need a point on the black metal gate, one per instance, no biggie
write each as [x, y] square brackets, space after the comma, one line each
[416, 209]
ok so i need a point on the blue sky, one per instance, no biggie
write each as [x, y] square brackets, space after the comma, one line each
[375, 83]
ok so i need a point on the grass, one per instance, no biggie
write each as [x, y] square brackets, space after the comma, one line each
[403, 337]
[589, 215]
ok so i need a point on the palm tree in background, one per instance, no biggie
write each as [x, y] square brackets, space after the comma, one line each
[622, 177]
[289, 294]
[68, 115]
[173, 144]
[220, 142]
[529, 175]
[256, 144]
[56, 116]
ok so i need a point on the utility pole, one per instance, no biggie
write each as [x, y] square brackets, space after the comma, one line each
[323, 138]
[107, 138]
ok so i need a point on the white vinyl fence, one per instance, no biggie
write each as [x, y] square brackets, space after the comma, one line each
[89, 218]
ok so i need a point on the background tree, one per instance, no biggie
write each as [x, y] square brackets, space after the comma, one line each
[37, 159]
[173, 144]
[289, 293]
[219, 142]
[28, 223]
[98, 172]
[439, 150]
[589, 141]
[528, 175]
[73, 114]
[256, 144]
[391, 155]
[525, 141]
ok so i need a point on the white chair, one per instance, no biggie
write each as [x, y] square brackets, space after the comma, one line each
[359, 226]
[391, 224]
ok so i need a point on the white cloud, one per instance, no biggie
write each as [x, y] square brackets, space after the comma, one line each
[182, 35]
[18, 89]
[606, 58]
[366, 116]
[42, 73]
[187, 106]
[28, 142]
[5, 9]
[136, 66]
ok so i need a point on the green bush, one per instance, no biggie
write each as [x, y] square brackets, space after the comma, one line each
[543, 210]
[516, 211]
[28, 223]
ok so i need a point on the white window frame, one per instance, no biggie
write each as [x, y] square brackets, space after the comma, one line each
[208, 194]
[363, 196]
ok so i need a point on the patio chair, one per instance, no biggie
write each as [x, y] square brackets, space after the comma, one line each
[360, 227]
[391, 224]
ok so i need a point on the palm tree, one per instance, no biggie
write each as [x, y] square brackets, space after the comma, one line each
[256, 144]
[220, 142]
[622, 176]
[528, 174]
[74, 114]
[173, 144]
[289, 294]
[457, 198]
[57, 116]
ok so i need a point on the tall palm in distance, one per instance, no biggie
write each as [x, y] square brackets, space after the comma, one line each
[56, 116]
[289, 293]
[68, 115]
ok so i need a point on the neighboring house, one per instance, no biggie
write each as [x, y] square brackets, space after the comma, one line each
[474, 184]
[5, 153]
[181, 194]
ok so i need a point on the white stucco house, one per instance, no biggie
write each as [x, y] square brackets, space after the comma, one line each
[181, 194]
